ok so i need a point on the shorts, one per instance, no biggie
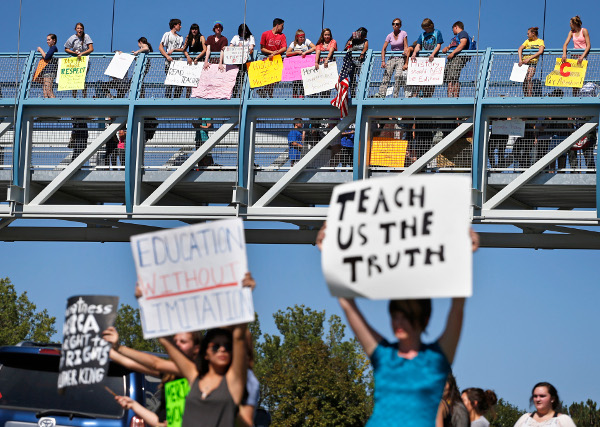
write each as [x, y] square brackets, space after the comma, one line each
[454, 67]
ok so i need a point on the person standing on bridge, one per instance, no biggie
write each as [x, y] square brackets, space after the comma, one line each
[398, 40]
[581, 40]
[49, 71]
[409, 376]
[532, 42]
[80, 44]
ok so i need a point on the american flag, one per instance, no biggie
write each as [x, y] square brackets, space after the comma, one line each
[343, 85]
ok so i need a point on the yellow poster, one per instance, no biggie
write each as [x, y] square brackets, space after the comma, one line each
[71, 72]
[567, 74]
[388, 152]
[262, 73]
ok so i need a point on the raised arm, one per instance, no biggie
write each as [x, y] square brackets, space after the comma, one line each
[236, 375]
[150, 361]
[187, 368]
[122, 360]
[451, 335]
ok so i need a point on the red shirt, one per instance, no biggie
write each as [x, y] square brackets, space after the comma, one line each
[272, 42]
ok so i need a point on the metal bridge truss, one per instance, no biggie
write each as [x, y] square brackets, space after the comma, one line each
[58, 161]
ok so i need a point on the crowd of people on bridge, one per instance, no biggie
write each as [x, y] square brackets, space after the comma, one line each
[195, 47]
[414, 385]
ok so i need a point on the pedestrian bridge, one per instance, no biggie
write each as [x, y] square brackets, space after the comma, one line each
[57, 159]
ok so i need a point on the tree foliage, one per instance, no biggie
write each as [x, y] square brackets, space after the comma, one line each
[585, 414]
[19, 318]
[506, 414]
[129, 326]
[310, 375]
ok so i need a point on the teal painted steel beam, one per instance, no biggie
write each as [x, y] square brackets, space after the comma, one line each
[360, 140]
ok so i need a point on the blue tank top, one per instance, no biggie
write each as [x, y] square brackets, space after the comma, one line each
[407, 392]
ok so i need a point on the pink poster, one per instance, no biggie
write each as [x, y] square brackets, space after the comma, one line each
[293, 65]
[216, 84]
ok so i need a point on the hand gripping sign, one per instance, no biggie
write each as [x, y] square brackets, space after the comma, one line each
[191, 278]
[393, 238]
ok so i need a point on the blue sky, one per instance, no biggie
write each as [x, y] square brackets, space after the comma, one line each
[533, 316]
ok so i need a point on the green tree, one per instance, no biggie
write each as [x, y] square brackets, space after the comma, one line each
[506, 414]
[310, 375]
[129, 326]
[19, 318]
[585, 414]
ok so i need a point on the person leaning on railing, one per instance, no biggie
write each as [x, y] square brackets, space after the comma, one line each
[326, 43]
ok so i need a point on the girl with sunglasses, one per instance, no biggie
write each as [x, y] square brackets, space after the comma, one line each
[217, 384]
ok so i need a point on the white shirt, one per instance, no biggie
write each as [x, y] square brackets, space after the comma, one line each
[301, 47]
[238, 42]
[561, 421]
[171, 41]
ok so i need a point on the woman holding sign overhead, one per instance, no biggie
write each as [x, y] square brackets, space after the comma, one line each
[217, 384]
[409, 376]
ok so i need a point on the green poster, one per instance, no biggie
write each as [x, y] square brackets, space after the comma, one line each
[176, 391]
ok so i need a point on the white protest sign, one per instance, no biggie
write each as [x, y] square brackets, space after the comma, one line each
[182, 74]
[119, 65]
[316, 81]
[190, 278]
[514, 127]
[518, 74]
[422, 72]
[399, 238]
[235, 55]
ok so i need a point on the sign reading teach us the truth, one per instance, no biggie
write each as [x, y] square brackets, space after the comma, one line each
[190, 278]
[394, 238]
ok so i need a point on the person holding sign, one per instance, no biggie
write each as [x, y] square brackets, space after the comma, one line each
[581, 40]
[300, 46]
[217, 385]
[215, 43]
[245, 40]
[325, 43]
[532, 42]
[430, 40]
[272, 43]
[398, 40]
[188, 344]
[409, 375]
[195, 43]
[80, 44]
[171, 42]
[49, 71]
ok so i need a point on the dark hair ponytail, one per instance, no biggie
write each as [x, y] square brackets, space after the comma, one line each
[482, 401]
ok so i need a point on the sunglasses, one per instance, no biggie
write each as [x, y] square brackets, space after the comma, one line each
[396, 24]
[215, 346]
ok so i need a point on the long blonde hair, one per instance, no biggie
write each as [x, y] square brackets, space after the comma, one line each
[296, 36]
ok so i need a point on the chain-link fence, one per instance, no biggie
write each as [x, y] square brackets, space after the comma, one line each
[396, 143]
[56, 142]
[280, 143]
[97, 84]
[540, 78]
[519, 151]
[170, 141]
[11, 72]
[459, 80]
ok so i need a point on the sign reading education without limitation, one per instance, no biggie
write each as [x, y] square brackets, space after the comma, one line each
[84, 354]
[191, 278]
[393, 238]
